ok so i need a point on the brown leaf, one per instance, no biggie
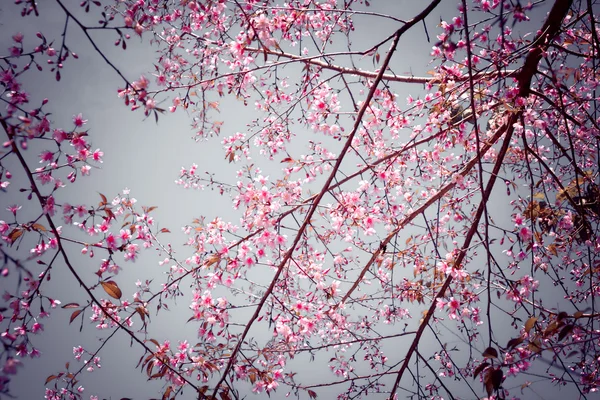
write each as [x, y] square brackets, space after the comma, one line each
[552, 327]
[487, 381]
[104, 200]
[535, 346]
[70, 305]
[312, 394]
[213, 259]
[142, 312]
[490, 352]
[565, 331]
[530, 324]
[149, 369]
[165, 230]
[578, 314]
[167, 393]
[112, 289]
[514, 342]
[39, 227]
[562, 315]
[74, 315]
[15, 234]
[225, 395]
[50, 379]
[109, 214]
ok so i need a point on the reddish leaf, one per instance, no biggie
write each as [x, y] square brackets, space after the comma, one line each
[497, 376]
[70, 305]
[111, 288]
[493, 380]
[312, 394]
[74, 315]
[50, 379]
[480, 368]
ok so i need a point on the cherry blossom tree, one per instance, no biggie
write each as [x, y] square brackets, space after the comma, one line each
[442, 243]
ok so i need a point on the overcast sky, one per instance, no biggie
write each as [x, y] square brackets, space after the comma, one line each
[146, 157]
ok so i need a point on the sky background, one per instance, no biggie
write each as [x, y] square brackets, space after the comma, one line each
[145, 157]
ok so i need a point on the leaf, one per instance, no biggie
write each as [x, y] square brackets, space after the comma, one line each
[480, 368]
[487, 381]
[312, 394]
[535, 346]
[530, 324]
[39, 227]
[50, 379]
[571, 354]
[514, 342]
[213, 259]
[497, 376]
[490, 352]
[565, 331]
[167, 393]
[165, 230]
[70, 305]
[149, 370]
[552, 327]
[142, 312]
[103, 197]
[493, 380]
[225, 395]
[562, 315]
[111, 288]
[15, 234]
[578, 314]
[74, 315]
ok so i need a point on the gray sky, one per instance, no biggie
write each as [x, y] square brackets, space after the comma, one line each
[146, 157]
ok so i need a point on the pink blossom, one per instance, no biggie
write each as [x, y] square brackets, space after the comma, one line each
[78, 120]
